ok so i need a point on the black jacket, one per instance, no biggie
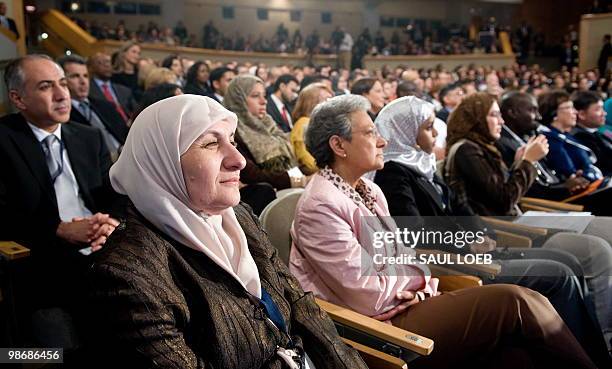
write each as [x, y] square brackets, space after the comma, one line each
[108, 115]
[28, 207]
[124, 95]
[277, 116]
[414, 202]
[601, 146]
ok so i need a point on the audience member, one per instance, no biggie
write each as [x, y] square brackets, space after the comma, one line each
[371, 89]
[190, 249]
[566, 156]
[56, 200]
[591, 116]
[100, 114]
[281, 100]
[102, 88]
[220, 79]
[125, 68]
[309, 97]
[196, 81]
[332, 257]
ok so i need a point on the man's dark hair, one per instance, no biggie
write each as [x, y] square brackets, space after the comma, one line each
[583, 99]
[307, 80]
[284, 79]
[14, 77]
[408, 88]
[446, 90]
[70, 59]
[155, 94]
[217, 73]
[167, 62]
[363, 86]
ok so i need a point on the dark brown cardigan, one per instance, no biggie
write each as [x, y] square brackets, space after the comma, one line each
[481, 181]
[160, 304]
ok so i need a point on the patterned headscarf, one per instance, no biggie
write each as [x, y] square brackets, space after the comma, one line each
[399, 124]
[469, 121]
[268, 144]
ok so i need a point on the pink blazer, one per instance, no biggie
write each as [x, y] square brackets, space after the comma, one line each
[332, 253]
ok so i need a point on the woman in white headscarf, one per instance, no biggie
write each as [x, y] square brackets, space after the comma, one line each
[191, 277]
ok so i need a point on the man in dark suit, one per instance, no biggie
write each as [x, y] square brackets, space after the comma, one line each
[53, 181]
[102, 88]
[450, 97]
[6, 21]
[219, 79]
[591, 116]
[91, 111]
[284, 93]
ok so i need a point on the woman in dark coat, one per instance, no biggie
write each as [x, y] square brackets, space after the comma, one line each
[191, 281]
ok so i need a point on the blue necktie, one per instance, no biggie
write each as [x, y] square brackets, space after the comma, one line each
[53, 155]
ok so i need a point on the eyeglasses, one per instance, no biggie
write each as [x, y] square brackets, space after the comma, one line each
[571, 106]
[372, 132]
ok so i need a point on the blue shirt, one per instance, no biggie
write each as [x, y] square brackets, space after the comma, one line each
[565, 158]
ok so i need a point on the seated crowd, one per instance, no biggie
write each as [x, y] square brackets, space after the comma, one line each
[137, 186]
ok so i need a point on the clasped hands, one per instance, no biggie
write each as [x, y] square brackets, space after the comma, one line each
[93, 230]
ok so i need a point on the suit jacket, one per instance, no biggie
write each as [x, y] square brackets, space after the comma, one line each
[277, 116]
[443, 114]
[109, 116]
[28, 206]
[414, 202]
[601, 146]
[158, 303]
[565, 158]
[123, 93]
[333, 254]
[557, 191]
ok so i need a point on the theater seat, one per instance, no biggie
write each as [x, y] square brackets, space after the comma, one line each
[276, 219]
[12, 255]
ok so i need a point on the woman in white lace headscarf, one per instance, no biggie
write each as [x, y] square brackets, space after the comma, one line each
[399, 123]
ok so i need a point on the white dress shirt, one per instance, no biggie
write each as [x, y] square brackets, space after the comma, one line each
[280, 106]
[69, 201]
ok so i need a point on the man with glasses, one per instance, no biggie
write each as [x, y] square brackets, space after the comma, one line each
[450, 97]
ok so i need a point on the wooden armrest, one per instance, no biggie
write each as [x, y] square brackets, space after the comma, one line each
[507, 239]
[524, 230]
[554, 205]
[397, 336]
[451, 280]
[376, 359]
[12, 250]
[490, 269]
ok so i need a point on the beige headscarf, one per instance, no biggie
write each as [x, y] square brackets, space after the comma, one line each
[149, 173]
[268, 144]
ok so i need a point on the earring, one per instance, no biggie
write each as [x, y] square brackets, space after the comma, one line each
[344, 156]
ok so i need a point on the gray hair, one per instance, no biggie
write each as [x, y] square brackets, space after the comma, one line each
[14, 76]
[331, 118]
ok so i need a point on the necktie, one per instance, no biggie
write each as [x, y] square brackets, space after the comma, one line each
[109, 96]
[53, 155]
[284, 115]
[85, 110]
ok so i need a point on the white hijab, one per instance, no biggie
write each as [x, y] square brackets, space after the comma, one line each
[149, 173]
[399, 123]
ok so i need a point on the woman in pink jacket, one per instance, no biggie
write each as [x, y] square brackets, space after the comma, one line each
[337, 255]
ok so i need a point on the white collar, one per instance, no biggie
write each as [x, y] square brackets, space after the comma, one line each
[41, 134]
[278, 102]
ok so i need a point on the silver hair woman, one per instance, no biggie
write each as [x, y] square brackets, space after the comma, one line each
[333, 256]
